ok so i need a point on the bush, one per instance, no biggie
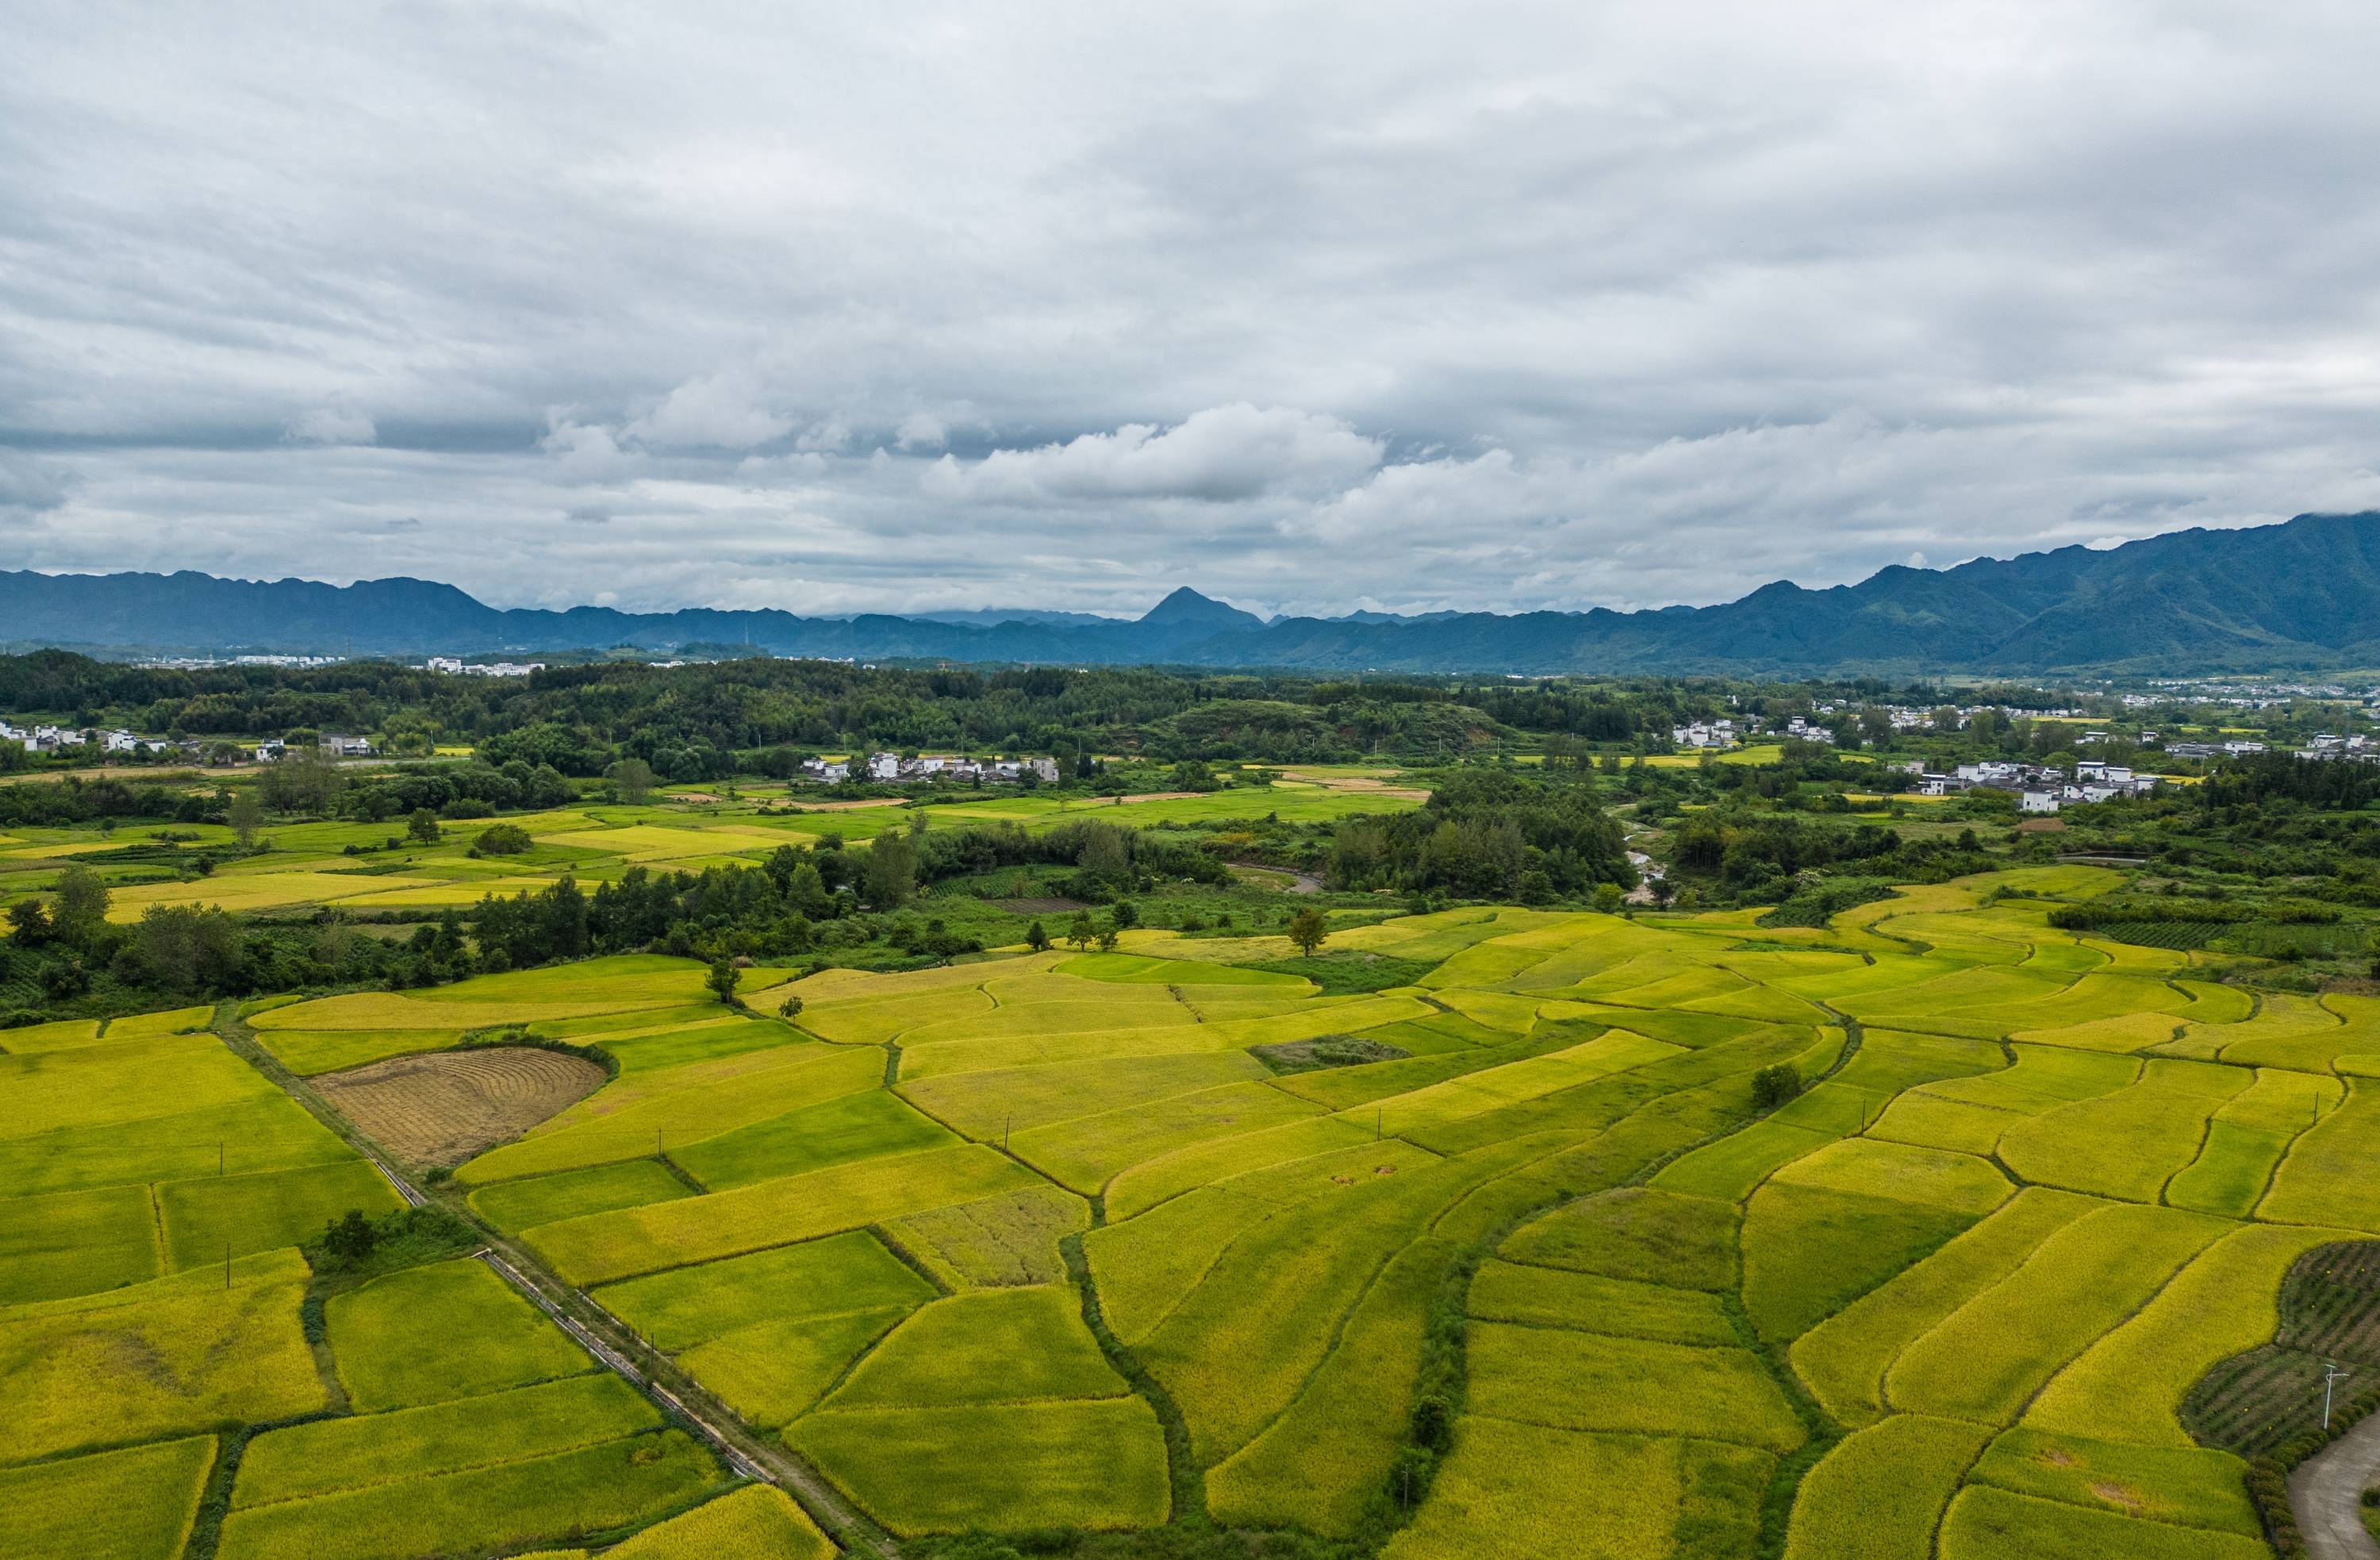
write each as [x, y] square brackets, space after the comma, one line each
[1772, 1086]
[2268, 1487]
[350, 1239]
[504, 839]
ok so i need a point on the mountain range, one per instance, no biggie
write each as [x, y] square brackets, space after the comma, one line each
[2300, 595]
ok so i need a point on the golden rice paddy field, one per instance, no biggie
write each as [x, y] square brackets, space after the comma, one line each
[311, 865]
[1042, 1241]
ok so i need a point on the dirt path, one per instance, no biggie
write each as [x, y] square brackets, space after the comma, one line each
[745, 1452]
[1299, 882]
[2328, 1488]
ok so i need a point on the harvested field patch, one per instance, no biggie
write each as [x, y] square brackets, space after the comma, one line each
[444, 1107]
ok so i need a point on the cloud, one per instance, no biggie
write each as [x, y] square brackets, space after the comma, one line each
[1219, 455]
[583, 452]
[1520, 306]
[330, 425]
[830, 436]
[27, 485]
[722, 411]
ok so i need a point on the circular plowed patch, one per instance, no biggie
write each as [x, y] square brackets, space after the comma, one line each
[446, 1106]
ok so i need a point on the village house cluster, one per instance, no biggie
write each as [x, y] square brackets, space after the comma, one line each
[893, 769]
[52, 738]
[2039, 789]
[454, 667]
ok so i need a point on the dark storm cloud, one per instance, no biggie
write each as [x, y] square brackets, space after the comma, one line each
[1406, 306]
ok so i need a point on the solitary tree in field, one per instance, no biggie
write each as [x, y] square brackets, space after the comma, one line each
[29, 920]
[1078, 931]
[422, 826]
[633, 778]
[790, 1009]
[245, 814]
[1772, 1086]
[724, 978]
[349, 1238]
[1036, 939]
[1307, 928]
[81, 903]
[1107, 939]
[892, 870]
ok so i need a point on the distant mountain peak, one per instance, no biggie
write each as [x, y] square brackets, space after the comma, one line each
[2301, 594]
[1185, 608]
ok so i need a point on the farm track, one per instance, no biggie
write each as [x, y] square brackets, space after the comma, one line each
[2326, 1495]
[603, 1336]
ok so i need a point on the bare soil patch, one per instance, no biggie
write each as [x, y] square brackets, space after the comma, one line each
[1363, 783]
[1331, 1051]
[446, 1106]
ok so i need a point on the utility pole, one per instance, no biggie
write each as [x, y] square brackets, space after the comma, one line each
[2331, 1376]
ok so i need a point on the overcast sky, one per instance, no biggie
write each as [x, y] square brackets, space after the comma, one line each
[851, 307]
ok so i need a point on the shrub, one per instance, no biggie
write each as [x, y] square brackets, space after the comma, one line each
[348, 1239]
[1772, 1086]
[502, 839]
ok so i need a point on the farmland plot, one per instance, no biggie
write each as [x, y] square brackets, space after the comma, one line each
[1952, 1299]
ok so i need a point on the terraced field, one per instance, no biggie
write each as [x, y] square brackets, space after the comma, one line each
[1042, 1241]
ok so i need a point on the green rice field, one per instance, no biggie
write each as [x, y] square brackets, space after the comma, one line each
[1044, 1241]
